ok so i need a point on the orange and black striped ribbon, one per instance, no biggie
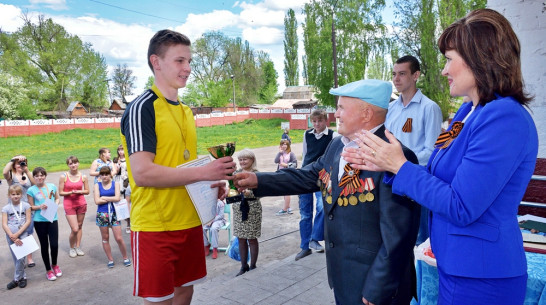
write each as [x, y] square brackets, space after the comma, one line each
[350, 176]
[445, 138]
[407, 125]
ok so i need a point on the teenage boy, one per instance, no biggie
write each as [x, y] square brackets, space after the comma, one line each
[315, 141]
[414, 119]
[158, 132]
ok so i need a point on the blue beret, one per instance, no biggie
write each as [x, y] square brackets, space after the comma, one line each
[371, 91]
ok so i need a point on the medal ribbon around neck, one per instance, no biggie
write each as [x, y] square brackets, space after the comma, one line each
[183, 130]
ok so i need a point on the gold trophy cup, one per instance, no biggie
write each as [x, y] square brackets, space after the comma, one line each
[224, 150]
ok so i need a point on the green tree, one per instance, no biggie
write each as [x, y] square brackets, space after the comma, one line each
[361, 31]
[14, 102]
[123, 80]
[149, 83]
[269, 88]
[419, 24]
[56, 67]
[291, 70]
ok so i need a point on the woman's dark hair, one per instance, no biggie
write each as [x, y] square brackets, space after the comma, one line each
[490, 48]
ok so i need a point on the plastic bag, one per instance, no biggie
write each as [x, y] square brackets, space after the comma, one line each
[424, 252]
[233, 250]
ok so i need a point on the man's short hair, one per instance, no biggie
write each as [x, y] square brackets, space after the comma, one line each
[414, 63]
[164, 39]
[319, 114]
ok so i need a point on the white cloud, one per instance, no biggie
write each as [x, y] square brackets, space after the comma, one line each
[263, 36]
[259, 15]
[197, 24]
[52, 4]
[11, 18]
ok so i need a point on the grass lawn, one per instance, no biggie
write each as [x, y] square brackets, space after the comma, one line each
[51, 150]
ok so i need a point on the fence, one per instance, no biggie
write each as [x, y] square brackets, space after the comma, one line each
[298, 120]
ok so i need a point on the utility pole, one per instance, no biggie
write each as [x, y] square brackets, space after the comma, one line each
[334, 51]
[233, 83]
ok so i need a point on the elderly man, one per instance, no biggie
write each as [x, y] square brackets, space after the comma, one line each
[369, 231]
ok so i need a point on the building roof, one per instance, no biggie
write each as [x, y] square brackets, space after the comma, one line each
[73, 105]
[119, 102]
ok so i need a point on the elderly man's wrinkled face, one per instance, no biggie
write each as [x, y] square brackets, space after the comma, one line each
[350, 112]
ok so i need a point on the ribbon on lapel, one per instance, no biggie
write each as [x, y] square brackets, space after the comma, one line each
[351, 177]
[407, 125]
[446, 137]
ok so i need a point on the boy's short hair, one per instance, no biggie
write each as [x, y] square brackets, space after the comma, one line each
[413, 63]
[72, 159]
[39, 170]
[105, 170]
[319, 114]
[15, 188]
[164, 39]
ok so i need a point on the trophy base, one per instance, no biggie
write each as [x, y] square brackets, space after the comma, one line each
[233, 199]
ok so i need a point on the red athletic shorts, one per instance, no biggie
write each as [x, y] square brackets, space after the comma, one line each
[165, 260]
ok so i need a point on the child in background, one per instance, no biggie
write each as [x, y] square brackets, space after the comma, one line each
[73, 186]
[247, 216]
[122, 178]
[48, 232]
[106, 192]
[214, 226]
[285, 159]
[15, 221]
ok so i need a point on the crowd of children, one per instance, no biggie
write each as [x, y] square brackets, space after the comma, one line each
[30, 197]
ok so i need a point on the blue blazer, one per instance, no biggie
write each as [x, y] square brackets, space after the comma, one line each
[473, 189]
[369, 245]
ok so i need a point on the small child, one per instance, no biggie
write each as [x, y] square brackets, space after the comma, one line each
[15, 221]
[214, 227]
[285, 158]
[247, 216]
[107, 192]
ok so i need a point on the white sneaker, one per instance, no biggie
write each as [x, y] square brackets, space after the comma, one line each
[79, 252]
[72, 252]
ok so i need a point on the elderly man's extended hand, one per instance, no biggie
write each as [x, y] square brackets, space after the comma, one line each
[245, 180]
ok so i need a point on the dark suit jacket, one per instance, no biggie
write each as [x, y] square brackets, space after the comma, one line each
[369, 245]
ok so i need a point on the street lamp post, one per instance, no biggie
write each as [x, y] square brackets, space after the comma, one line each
[233, 83]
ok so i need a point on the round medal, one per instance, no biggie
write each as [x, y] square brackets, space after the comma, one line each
[369, 196]
[329, 199]
[186, 154]
[353, 200]
[345, 202]
[362, 198]
[340, 201]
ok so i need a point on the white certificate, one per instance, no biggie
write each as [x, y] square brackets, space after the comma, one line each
[29, 246]
[204, 197]
[122, 209]
[51, 210]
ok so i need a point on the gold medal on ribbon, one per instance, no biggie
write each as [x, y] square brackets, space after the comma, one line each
[370, 196]
[345, 201]
[329, 199]
[186, 154]
[353, 200]
[340, 201]
[362, 198]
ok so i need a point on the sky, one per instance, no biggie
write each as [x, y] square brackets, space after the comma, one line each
[120, 30]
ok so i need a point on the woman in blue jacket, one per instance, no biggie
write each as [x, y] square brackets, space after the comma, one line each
[476, 177]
